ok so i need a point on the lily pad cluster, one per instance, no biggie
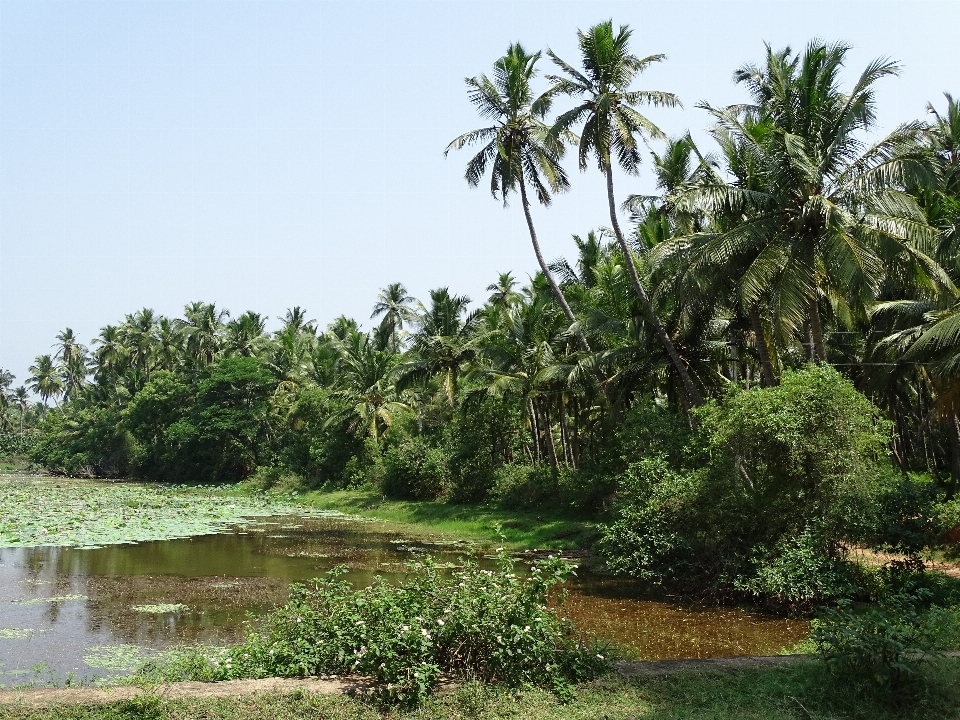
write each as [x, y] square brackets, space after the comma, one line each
[43, 511]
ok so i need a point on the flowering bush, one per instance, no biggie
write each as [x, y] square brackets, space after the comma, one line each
[491, 625]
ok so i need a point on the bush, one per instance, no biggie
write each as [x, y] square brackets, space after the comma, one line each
[473, 623]
[885, 644]
[771, 485]
[416, 469]
[17, 444]
[524, 486]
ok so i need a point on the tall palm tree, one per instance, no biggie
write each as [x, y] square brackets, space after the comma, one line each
[518, 146]
[504, 295]
[45, 380]
[74, 374]
[66, 345]
[828, 217]
[613, 127]
[296, 319]
[21, 400]
[393, 303]
[366, 384]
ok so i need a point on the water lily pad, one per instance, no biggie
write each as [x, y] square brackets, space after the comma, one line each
[160, 608]
[16, 633]
[53, 599]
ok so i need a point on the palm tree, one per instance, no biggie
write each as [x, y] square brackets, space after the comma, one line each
[828, 216]
[202, 327]
[613, 126]
[74, 374]
[365, 383]
[245, 335]
[504, 295]
[394, 304]
[442, 343]
[139, 334]
[295, 319]
[44, 379]
[19, 397]
[519, 147]
[66, 345]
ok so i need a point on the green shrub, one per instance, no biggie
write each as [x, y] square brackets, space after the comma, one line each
[17, 444]
[416, 469]
[472, 623]
[883, 645]
[524, 486]
[772, 484]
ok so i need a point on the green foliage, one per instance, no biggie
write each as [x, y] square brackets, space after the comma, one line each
[17, 444]
[84, 440]
[415, 469]
[490, 625]
[885, 644]
[788, 473]
[524, 486]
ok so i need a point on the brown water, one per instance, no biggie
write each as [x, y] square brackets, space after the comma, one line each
[222, 580]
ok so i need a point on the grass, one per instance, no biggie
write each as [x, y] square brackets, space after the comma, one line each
[788, 692]
[544, 529]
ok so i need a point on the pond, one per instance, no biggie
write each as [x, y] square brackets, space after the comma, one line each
[93, 612]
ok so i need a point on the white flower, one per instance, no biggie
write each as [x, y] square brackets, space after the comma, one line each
[416, 675]
[299, 619]
[600, 656]
[439, 622]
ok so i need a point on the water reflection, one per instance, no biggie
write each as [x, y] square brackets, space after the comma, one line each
[225, 579]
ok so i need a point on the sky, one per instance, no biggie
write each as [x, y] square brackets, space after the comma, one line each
[267, 154]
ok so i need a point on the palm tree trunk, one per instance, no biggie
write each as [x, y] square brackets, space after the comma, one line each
[954, 456]
[816, 332]
[557, 292]
[534, 430]
[688, 385]
[768, 379]
[548, 432]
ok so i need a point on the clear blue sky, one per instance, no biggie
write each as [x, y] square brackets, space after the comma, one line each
[262, 155]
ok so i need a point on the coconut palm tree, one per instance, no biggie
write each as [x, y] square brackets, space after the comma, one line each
[366, 384]
[613, 129]
[245, 335]
[443, 341]
[74, 374]
[45, 380]
[504, 295]
[21, 400]
[828, 218]
[393, 303]
[518, 146]
[202, 327]
[66, 345]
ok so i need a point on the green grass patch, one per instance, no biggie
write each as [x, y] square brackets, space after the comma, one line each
[790, 692]
[539, 529]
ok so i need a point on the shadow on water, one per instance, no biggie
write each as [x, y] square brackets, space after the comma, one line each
[203, 589]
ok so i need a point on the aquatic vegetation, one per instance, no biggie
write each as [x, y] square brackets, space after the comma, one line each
[52, 599]
[160, 608]
[117, 658]
[16, 633]
[38, 511]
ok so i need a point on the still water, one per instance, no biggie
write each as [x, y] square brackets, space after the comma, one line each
[63, 608]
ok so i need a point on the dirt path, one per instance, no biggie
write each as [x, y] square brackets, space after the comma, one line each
[875, 559]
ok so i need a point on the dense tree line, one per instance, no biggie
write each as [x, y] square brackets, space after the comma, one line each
[765, 280]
